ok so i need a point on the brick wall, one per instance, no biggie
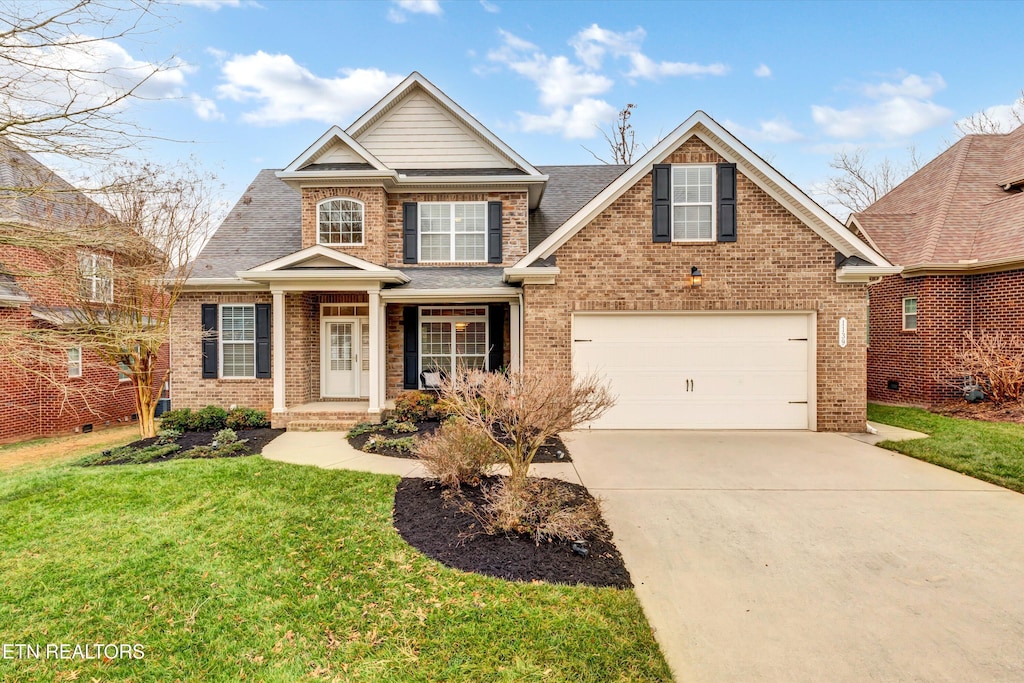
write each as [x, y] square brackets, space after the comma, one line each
[948, 306]
[373, 249]
[777, 263]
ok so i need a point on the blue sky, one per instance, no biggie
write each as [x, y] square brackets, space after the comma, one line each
[259, 81]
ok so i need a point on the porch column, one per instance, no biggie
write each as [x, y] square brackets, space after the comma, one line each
[278, 310]
[382, 352]
[515, 336]
[376, 357]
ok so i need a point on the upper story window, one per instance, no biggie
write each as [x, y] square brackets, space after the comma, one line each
[97, 277]
[340, 221]
[75, 361]
[452, 231]
[910, 313]
[693, 203]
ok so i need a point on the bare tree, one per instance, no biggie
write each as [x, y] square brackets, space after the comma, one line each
[859, 184]
[621, 138]
[520, 411]
[986, 122]
[114, 274]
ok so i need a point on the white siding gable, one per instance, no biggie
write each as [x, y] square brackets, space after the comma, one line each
[339, 153]
[419, 133]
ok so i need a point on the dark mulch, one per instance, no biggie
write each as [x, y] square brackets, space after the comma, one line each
[983, 410]
[547, 453]
[440, 530]
[255, 439]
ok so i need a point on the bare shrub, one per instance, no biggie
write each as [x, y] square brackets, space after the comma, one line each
[991, 361]
[520, 411]
[458, 453]
[545, 509]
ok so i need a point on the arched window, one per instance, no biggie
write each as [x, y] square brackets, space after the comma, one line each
[339, 221]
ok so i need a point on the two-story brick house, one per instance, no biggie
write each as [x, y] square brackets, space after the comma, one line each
[41, 396]
[708, 289]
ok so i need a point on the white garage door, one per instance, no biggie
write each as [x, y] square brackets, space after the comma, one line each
[698, 371]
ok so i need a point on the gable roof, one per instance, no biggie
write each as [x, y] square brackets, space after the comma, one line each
[416, 83]
[569, 188]
[338, 141]
[961, 210]
[750, 164]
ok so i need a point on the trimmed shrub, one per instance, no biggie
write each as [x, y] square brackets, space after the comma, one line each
[165, 436]
[458, 454]
[179, 420]
[396, 427]
[545, 509]
[229, 450]
[246, 418]
[225, 437]
[363, 428]
[404, 444]
[209, 419]
[413, 406]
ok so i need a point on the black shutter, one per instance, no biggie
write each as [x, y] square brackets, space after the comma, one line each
[409, 232]
[726, 202]
[411, 320]
[209, 341]
[263, 340]
[494, 232]
[661, 223]
[496, 331]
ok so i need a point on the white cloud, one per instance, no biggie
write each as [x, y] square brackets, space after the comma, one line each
[205, 108]
[490, 7]
[593, 42]
[645, 67]
[285, 91]
[582, 120]
[1006, 117]
[397, 13]
[774, 130]
[763, 71]
[901, 109]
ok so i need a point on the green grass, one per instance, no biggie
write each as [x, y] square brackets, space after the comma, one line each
[245, 569]
[990, 451]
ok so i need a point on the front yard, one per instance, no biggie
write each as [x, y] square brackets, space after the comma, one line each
[245, 569]
[990, 451]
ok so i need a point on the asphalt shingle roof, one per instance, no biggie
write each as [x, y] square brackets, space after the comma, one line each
[477, 277]
[954, 208]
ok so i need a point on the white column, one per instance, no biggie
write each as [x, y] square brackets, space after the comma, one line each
[376, 357]
[515, 336]
[278, 351]
[382, 352]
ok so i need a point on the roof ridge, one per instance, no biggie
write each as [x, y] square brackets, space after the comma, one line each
[939, 220]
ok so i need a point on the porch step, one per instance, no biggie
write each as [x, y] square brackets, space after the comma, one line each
[332, 425]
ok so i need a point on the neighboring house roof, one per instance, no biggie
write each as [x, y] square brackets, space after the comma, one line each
[750, 164]
[10, 292]
[264, 225]
[963, 210]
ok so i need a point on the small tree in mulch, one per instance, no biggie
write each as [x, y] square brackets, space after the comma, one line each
[989, 362]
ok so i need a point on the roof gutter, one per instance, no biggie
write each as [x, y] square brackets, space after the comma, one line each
[531, 276]
[966, 267]
[858, 274]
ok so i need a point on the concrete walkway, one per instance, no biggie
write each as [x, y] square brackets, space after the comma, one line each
[332, 451]
[799, 556]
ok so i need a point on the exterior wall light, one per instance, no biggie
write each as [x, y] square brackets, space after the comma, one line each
[696, 279]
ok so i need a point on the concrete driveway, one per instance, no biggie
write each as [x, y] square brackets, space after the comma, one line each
[812, 557]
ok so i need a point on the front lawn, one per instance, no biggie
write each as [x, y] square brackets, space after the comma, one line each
[991, 451]
[245, 569]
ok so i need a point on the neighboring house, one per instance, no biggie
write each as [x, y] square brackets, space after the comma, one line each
[39, 399]
[957, 228]
[415, 240]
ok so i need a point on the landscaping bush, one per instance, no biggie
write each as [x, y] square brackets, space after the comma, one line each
[458, 454]
[165, 436]
[413, 406]
[227, 450]
[363, 428]
[990, 362]
[396, 427]
[225, 437]
[404, 444]
[179, 420]
[209, 419]
[129, 455]
[545, 509]
[246, 418]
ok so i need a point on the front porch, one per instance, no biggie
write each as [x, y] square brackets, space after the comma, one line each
[317, 416]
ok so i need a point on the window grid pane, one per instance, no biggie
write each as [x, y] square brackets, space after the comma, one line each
[238, 337]
[453, 231]
[75, 362]
[239, 360]
[341, 222]
[692, 198]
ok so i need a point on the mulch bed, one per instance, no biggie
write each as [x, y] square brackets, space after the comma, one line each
[547, 453]
[983, 410]
[440, 530]
[256, 439]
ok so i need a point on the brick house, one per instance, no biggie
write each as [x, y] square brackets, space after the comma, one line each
[956, 227]
[37, 398]
[708, 289]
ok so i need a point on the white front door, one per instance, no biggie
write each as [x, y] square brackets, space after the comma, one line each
[339, 358]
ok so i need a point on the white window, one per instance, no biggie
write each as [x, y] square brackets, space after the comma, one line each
[451, 338]
[75, 361]
[237, 340]
[910, 313]
[453, 231]
[124, 370]
[97, 277]
[693, 203]
[340, 221]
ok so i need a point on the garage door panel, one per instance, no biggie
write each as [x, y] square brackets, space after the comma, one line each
[698, 371]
